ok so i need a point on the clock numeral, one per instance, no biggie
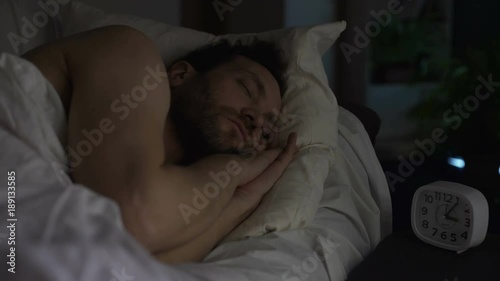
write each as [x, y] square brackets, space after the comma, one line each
[437, 195]
[467, 222]
[425, 224]
[464, 235]
[428, 198]
[435, 231]
[424, 211]
[453, 237]
[445, 236]
[467, 211]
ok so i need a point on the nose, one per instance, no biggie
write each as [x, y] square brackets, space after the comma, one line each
[254, 117]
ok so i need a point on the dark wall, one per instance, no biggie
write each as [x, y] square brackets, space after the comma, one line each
[476, 23]
[256, 16]
[164, 11]
[221, 17]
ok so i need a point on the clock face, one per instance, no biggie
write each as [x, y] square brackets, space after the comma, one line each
[443, 217]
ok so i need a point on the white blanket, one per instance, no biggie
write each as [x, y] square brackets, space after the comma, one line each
[64, 231]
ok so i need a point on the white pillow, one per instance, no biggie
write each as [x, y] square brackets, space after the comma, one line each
[309, 108]
[26, 24]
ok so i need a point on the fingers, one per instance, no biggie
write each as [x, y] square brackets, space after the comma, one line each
[255, 189]
[255, 167]
[290, 149]
[278, 166]
[271, 162]
[250, 169]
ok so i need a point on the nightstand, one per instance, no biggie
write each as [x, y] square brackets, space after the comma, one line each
[403, 257]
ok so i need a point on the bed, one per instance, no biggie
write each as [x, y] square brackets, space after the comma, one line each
[66, 232]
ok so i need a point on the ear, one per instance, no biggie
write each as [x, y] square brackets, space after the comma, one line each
[180, 72]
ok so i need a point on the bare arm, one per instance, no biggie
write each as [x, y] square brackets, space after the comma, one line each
[242, 204]
[196, 249]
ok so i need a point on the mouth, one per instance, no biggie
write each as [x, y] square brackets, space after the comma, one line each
[241, 129]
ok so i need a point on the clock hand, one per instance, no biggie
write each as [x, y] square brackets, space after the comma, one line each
[446, 215]
[452, 219]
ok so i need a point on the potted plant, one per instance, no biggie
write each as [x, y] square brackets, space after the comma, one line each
[474, 133]
[409, 50]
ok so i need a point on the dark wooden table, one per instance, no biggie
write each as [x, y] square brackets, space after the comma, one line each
[404, 257]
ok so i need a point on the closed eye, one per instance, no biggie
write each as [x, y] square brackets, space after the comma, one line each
[245, 88]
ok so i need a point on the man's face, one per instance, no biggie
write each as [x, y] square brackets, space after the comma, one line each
[230, 109]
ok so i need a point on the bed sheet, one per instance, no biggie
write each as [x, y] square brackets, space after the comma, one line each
[67, 232]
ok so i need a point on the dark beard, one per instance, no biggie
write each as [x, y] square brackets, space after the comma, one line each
[194, 116]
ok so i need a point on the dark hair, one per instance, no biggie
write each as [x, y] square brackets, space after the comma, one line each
[264, 53]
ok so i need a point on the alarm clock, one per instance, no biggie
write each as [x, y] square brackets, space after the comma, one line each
[449, 215]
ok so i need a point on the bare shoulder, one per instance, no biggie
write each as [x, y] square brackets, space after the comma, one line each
[49, 59]
[105, 48]
[114, 42]
[118, 82]
[104, 74]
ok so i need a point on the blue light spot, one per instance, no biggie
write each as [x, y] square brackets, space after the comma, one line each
[499, 170]
[457, 162]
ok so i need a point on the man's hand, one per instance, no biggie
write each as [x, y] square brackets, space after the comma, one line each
[245, 199]
[255, 176]
[171, 190]
[254, 190]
